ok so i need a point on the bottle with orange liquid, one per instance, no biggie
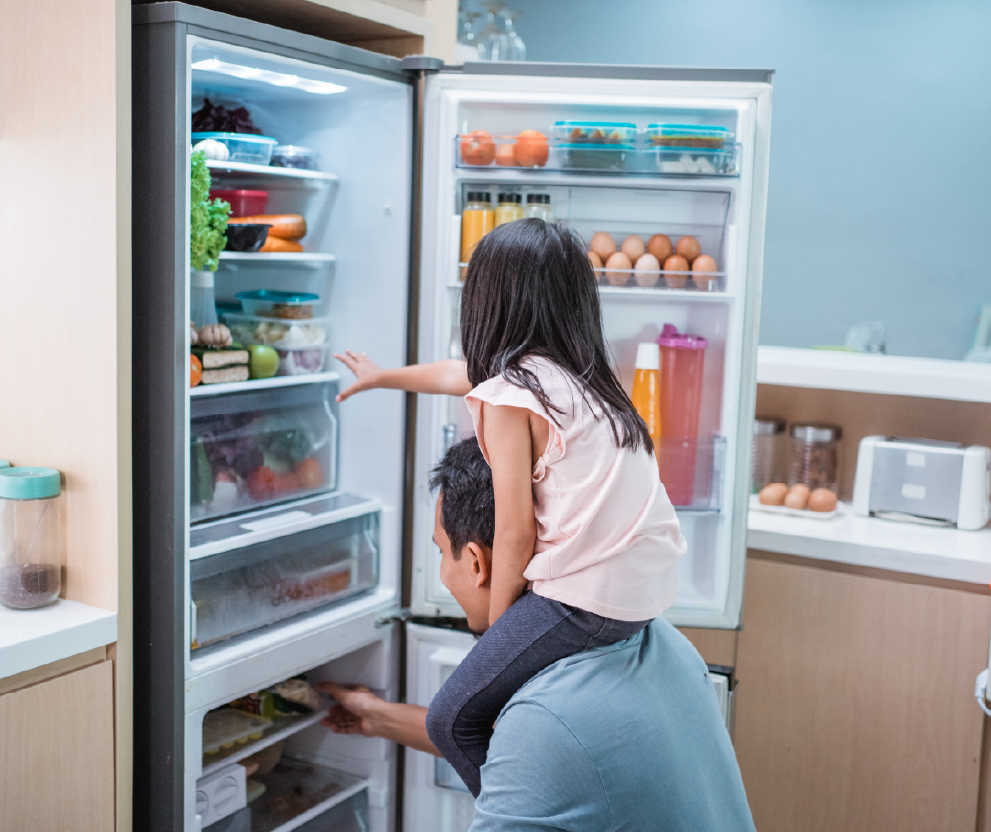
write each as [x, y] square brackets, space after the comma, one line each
[477, 219]
[646, 394]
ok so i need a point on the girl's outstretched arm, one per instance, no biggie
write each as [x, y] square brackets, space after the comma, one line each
[506, 433]
[447, 377]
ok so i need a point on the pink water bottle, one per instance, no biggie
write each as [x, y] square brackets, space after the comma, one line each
[681, 362]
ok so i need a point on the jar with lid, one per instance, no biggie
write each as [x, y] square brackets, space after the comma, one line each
[767, 463]
[539, 206]
[477, 220]
[510, 208]
[30, 537]
[815, 456]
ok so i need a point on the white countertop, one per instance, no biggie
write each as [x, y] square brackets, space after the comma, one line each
[931, 551]
[32, 638]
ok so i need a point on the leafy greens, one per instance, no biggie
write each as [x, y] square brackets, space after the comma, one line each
[207, 218]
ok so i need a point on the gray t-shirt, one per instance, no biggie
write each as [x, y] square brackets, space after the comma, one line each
[624, 737]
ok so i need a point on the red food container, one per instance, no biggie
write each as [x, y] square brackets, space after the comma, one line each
[243, 203]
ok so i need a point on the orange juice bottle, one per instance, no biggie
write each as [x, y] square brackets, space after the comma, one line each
[477, 220]
[647, 389]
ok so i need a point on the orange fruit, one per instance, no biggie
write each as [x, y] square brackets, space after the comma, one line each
[506, 155]
[195, 370]
[478, 148]
[309, 474]
[532, 149]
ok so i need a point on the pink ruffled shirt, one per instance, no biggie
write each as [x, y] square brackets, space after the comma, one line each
[608, 538]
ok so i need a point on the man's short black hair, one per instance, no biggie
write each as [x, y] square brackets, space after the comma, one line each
[467, 500]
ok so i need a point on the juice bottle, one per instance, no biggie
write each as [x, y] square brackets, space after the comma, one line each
[477, 220]
[646, 394]
[510, 208]
[539, 206]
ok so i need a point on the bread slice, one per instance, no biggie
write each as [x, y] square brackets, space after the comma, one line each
[212, 359]
[225, 374]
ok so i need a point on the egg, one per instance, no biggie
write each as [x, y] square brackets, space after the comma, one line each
[645, 272]
[660, 246]
[700, 266]
[773, 494]
[797, 496]
[822, 499]
[633, 247]
[689, 248]
[676, 263]
[595, 260]
[617, 269]
[603, 244]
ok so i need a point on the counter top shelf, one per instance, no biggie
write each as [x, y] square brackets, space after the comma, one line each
[912, 548]
[239, 168]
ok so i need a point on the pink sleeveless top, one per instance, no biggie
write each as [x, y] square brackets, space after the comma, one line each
[608, 538]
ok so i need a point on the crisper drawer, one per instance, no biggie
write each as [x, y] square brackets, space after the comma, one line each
[313, 563]
[255, 448]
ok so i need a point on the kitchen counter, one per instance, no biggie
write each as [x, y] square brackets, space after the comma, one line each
[32, 638]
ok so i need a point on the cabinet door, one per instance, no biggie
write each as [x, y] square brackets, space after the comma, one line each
[57, 753]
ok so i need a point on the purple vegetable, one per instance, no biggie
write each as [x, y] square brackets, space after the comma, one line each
[211, 118]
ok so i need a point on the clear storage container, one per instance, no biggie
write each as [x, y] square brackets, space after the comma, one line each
[30, 537]
[302, 344]
[272, 303]
[681, 161]
[688, 135]
[242, 147]
[595, 132]
[815, 456]
[768, 455]
[294, 156]
[257, 448]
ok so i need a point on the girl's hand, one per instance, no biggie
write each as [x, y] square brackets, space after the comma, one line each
[367, 373]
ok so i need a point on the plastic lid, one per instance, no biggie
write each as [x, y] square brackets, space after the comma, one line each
[670, 337]
[274, 296]
[596, 124]
[479, 196]
[201, 280]
[540, 199]
[816, 433]
[238, 192]
[29, 483]
[244, 137]
[293, 150]
[768, 425]
[4, 463]
[695, 128]
[648, 357]
[511, 198]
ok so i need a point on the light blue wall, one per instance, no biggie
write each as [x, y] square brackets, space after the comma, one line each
[880, 164]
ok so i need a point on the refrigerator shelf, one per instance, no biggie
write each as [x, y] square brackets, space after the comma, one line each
[305, 788]
[262, 384]
[302, 260]
[219, 169]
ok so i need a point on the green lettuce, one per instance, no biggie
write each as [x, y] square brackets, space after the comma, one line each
[207, 218]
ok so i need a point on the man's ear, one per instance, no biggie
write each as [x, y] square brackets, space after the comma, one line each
[480, 563]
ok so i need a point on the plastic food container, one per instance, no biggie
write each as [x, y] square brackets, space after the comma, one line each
[244, 203]
[294, 156]
[278, 332]
[697, 161]
[246, 237]
[768, 452]
[688, 135]
[30, 537]
[595, 132]
[815, 456]
[242, 147]
[226, 727]
[271, 303]
[597, 157]
[301, 361]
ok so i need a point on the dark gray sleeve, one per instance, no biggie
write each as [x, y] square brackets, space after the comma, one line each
[538, 776]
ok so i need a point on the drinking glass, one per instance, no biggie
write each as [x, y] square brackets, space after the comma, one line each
[517, 48]
[467, 31]
[493, 45]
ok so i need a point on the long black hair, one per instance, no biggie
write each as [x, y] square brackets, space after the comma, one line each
[530, 291]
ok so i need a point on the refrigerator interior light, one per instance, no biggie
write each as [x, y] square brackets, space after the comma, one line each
[267, 76]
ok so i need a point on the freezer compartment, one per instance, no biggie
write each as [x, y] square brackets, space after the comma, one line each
[300, 794]
[251, 587]
[256, 448]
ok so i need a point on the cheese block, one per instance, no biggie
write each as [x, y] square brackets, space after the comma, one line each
[212, 359]
[226, 374]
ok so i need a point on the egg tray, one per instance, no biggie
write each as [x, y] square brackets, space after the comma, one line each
[808, 514]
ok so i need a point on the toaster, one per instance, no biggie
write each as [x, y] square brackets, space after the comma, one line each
[923, 480]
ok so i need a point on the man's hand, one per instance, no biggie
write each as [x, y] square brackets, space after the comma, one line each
[367, 373]
[354, 711]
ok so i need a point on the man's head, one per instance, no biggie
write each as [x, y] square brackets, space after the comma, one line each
[464, 527]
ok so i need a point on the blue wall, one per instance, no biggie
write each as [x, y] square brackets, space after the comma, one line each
[880, 192]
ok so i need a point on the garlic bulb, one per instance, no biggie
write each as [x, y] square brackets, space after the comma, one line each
[215, 335]
[213, 150]
[194, 337]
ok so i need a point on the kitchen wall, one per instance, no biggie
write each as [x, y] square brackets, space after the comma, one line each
[879, 191]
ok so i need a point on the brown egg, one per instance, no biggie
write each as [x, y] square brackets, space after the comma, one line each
[645, 272]
[822, 499]
[603, 244]
[660, 246]
[700, 268]
[676, 263]
[633, 247]
[595, 260]
[614, 264]
[797, 496]
[688, 247]
[773, 494]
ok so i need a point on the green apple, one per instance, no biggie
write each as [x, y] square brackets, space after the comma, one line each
[264, 361]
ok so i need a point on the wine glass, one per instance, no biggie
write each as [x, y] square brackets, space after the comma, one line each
[493, 45]
[517, 48]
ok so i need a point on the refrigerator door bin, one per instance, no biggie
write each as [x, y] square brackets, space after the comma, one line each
[251, 587]
[255, 448]
[300, 795]
[694, 471]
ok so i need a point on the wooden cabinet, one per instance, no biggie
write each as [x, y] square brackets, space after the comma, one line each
[855, 707]
[57, 754]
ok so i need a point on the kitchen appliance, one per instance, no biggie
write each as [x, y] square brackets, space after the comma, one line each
[923, 480]
[346, 540]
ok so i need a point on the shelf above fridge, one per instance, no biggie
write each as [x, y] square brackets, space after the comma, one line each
[223, 169]
[305, 260]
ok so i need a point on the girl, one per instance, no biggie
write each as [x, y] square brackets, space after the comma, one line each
[580, 514]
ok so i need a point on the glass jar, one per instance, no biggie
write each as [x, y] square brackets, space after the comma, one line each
[477, 220]
[767, 463]
[539, 206]
[815, 456]
[202, 305]
[30, 537]
[510, 209]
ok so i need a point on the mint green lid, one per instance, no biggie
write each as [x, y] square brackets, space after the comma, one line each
[4, 463]
[29, 483]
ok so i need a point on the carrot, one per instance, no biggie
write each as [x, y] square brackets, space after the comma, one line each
[284, 226]
[277, 244]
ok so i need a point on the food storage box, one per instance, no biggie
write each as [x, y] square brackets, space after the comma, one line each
[302, 344]
[224, 728]
[242, 147]
[598, 157]
[595, 132]
[243, 202]
[680, 161]
[260, 447]
[294, 156]
[270, 303]
[688, 135]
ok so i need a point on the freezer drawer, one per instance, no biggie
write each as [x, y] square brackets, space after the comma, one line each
[256, 585]
[256, 448]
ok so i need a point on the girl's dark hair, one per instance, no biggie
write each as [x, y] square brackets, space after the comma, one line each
[530, 291]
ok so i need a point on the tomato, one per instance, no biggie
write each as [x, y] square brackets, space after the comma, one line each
[262, 483]
[532, 149]
[309, 474]
[195, 370]
[478, 148]
[506, 155]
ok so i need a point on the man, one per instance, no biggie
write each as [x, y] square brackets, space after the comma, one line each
[623, 737]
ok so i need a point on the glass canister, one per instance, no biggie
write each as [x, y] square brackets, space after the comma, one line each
[30, 537]
[539, 206]
[814, 456]
[510, 208]
[767, 464]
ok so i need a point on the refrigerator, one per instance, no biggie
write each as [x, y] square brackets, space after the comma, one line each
[281, 535]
